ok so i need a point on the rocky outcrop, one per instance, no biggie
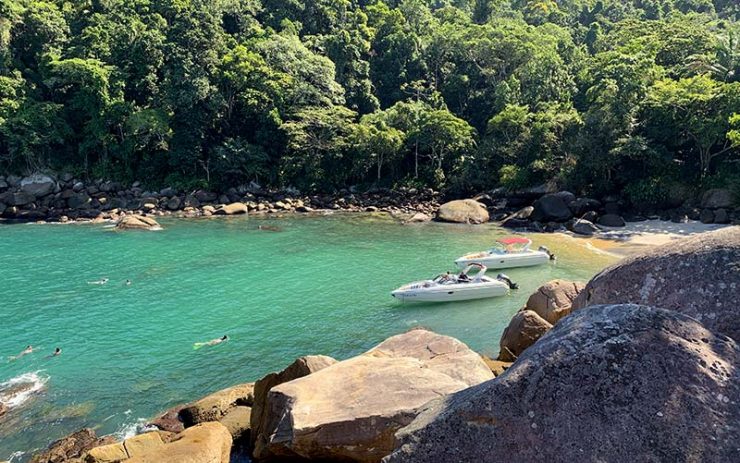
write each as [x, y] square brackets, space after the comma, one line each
[204, 443]
[217, 405]
[553, 300]
[170, 420]
[261, 406]
[232, 209]
[612, 383]
[137, 222]
[582, 227]
[351, 410]
[553, 208]
[698, 276]
[71, 448]
[38, 185]
[463, 211]
[524, 329]
[612, 220]
[718, 198]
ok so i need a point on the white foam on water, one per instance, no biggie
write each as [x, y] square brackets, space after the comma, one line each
[15, 456]
[129, 430]
[11, 398]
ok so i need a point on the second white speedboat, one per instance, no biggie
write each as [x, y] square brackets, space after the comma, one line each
[508, 253]
[449, 287]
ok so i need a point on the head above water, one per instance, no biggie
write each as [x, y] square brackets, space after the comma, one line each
[225, 338]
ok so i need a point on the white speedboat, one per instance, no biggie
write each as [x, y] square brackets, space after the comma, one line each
[450, 287]
[508, 253]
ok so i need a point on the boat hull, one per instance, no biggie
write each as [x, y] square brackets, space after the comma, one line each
[494, 261]
[451, 293]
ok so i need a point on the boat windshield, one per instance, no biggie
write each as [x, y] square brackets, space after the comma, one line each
[511, 245]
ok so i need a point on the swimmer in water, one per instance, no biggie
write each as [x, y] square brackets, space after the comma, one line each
[26, 351]
[128, 282]
[99, 282]
[212, 342]
[57, 353]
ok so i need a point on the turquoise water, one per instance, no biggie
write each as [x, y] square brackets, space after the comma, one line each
[320, 285]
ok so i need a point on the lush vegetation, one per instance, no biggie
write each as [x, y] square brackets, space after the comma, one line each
[633, 96]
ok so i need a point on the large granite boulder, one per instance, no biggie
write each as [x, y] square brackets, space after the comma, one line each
[350, 411]
[232, 209]
[612, 383]
[551, 208]
[301, 367]
[217, 405]
[553, 300]
[697, 276]
[524, 329]
[463, 211]
[20, 198]
[137, 222]
[612, 220]
[38, 185]
[71, 448]
[205, 443]
[718, 198]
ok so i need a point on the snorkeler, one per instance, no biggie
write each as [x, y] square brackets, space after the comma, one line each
[212, 342]
[26, 351]
[102, 281]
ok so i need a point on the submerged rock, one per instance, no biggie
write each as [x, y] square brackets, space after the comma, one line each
[463, 211]
[71, 448]
[137, 222]
[350, 411]
[697, 276]
[612, 383]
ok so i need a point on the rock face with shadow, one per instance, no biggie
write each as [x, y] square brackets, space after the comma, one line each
[350, 411]
[610, 383]
[698, 276]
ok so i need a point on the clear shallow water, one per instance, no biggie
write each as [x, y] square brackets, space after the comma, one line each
[319, 286]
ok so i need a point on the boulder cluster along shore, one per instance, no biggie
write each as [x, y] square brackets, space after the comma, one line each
[64, 198]
[641, 363]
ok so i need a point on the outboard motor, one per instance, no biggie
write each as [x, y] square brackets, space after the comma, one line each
[507, 280]
[547, 251]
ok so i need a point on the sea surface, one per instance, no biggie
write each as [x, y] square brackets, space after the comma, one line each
[297, 285]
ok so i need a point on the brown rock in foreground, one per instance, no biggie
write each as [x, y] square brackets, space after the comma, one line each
[613, 383]
[463, 211]
[203, 443]
[137, 222]
[217, 405]
[697, 276]
[303, 366]
[350, 411]
[553, 300]
[524, 329]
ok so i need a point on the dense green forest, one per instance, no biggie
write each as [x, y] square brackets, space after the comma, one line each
[633, 96]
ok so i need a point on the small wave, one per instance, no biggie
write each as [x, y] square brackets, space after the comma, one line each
[16, 391]
[129, 430]
[16, 456]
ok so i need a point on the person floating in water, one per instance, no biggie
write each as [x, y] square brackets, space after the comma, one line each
[212, 342]
[102, 281]
[128, 282]
[57, 353]
[26, 351]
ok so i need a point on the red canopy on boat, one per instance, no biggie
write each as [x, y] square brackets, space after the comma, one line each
[514, 240]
